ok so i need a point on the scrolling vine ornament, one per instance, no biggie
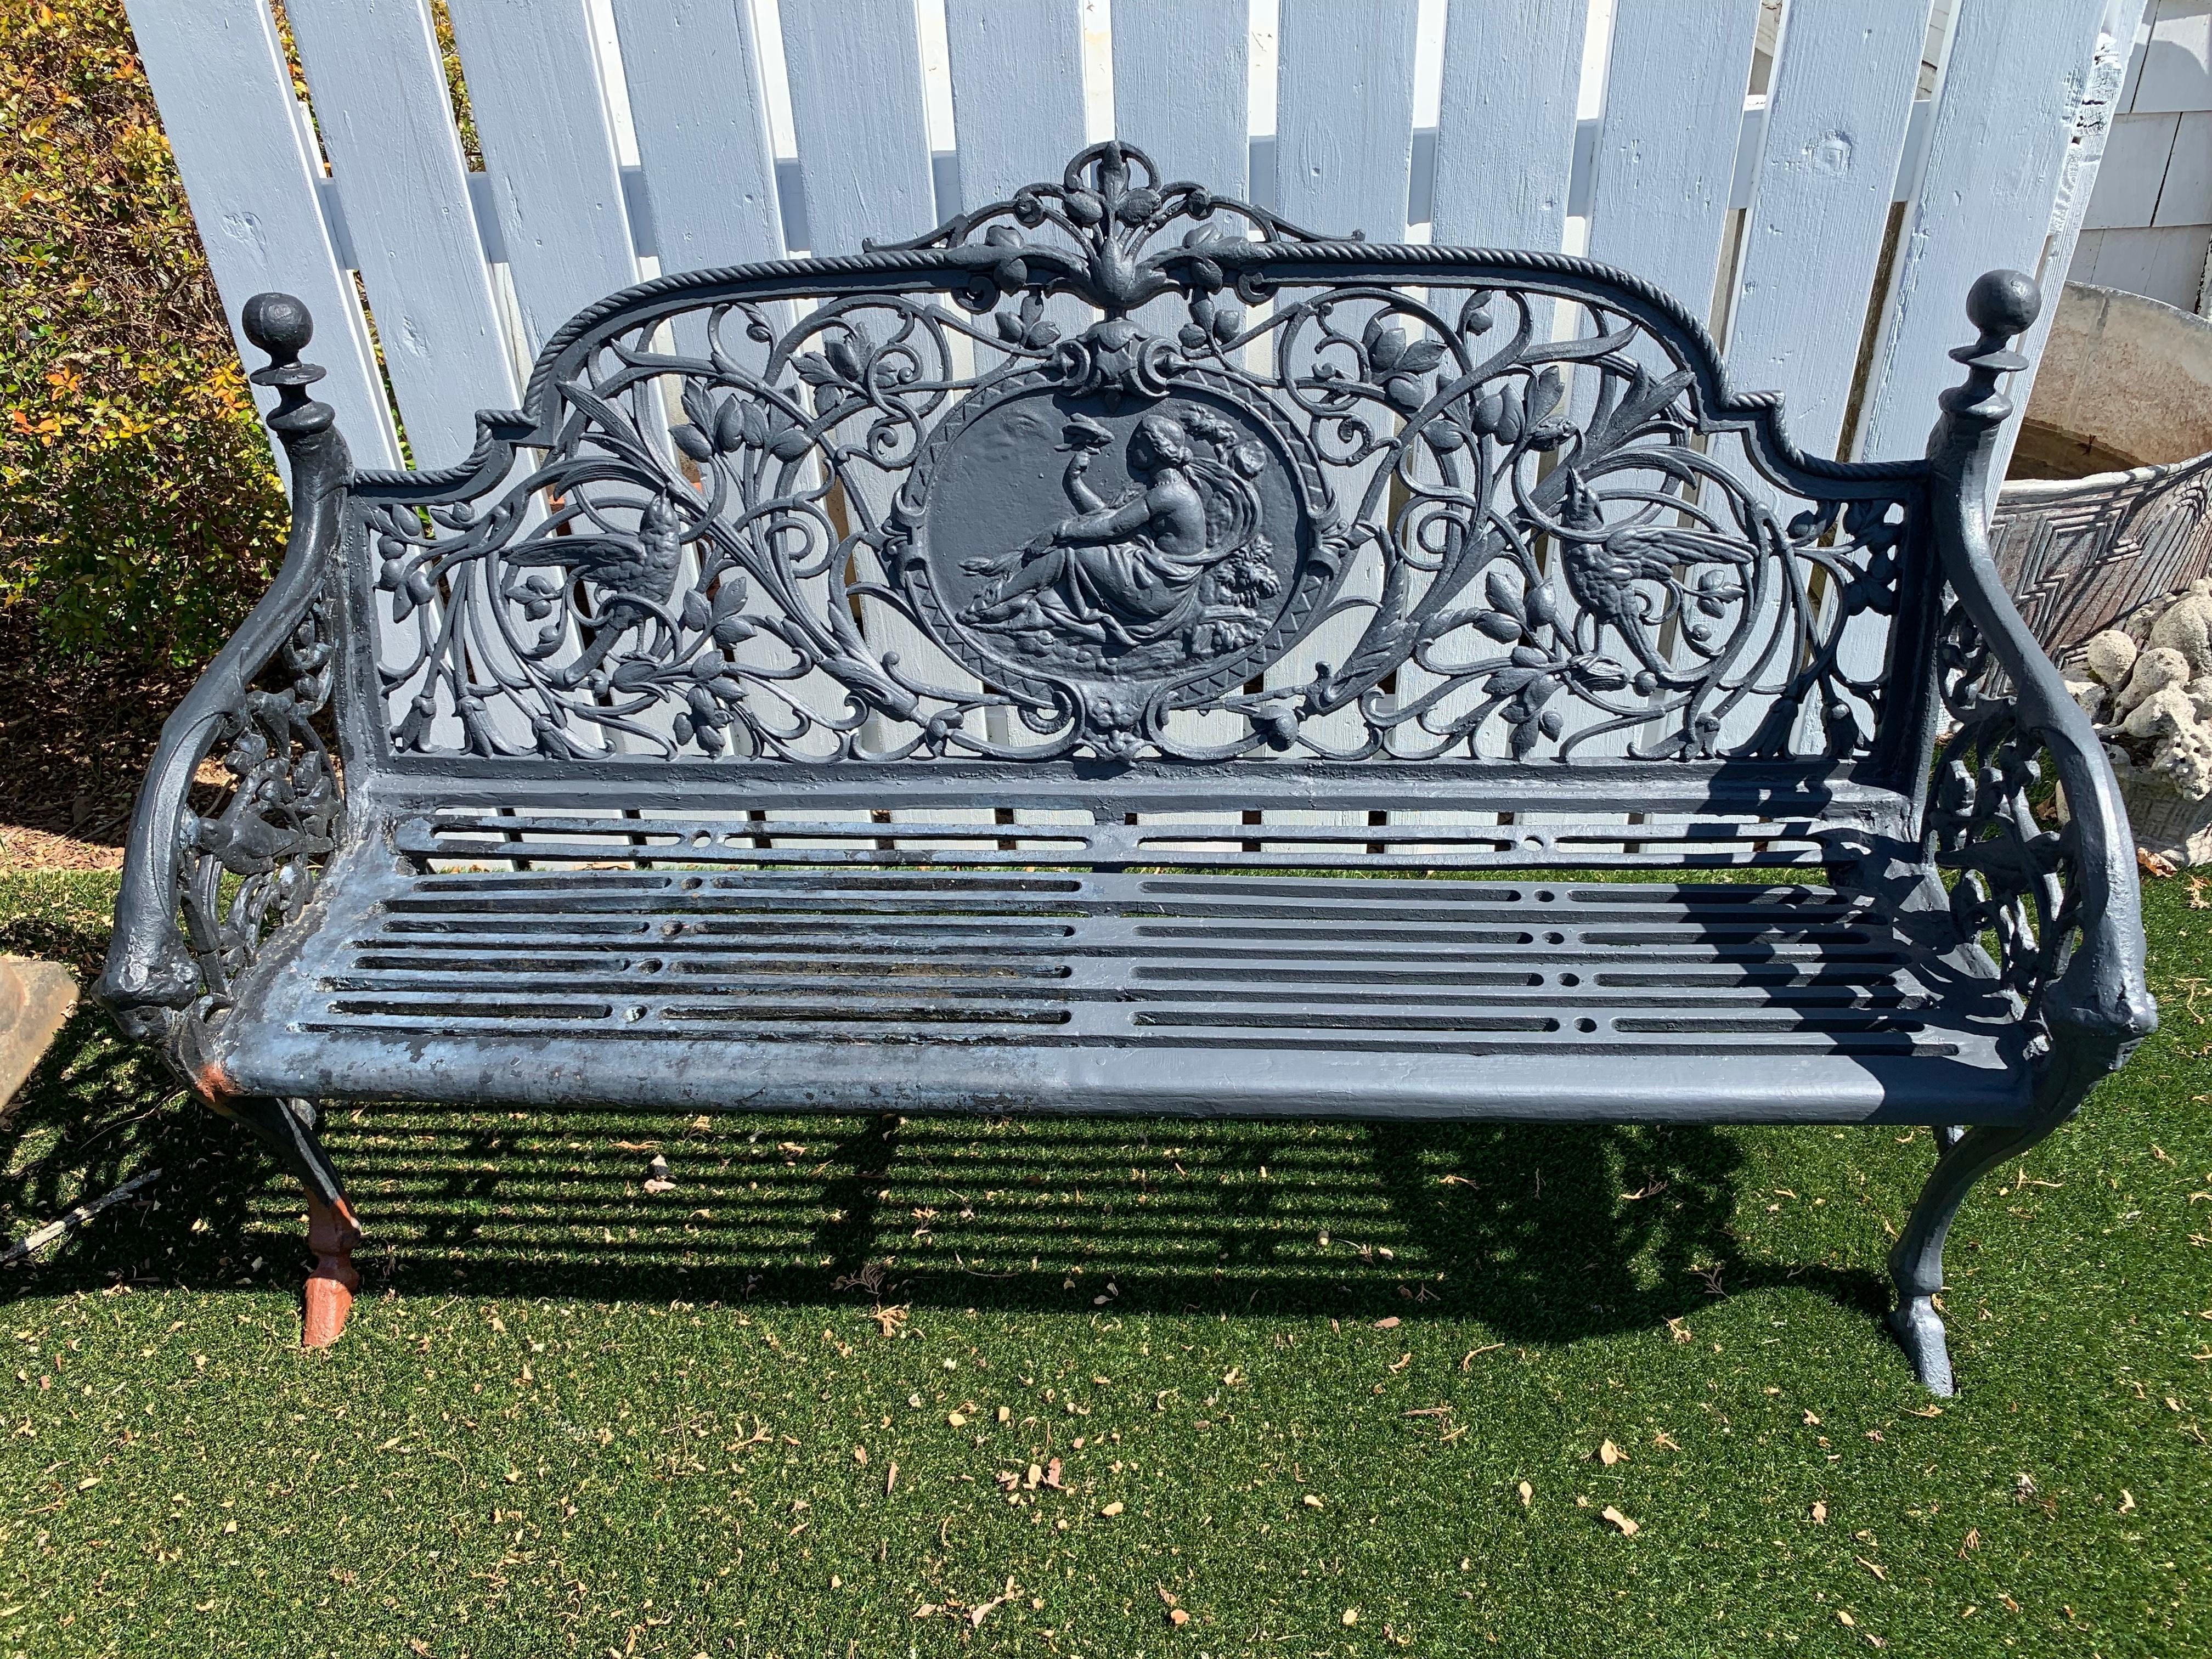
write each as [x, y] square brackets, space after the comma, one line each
[1336, 519]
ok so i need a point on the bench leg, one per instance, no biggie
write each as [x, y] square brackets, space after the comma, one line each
[1917, 1261]
[287, 1128]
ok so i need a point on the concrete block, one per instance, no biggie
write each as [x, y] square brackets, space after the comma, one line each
[2130, 374]
[35, 1001]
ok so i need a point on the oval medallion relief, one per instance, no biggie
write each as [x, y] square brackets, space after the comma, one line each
[1111, 557]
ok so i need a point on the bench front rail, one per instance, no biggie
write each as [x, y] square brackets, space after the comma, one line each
[1045, 666]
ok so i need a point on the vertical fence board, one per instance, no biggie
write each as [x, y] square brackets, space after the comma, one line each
[1180, 92]
[1506, 130]
[2000, 131]
[1664, 170]
[695, 98]
[381, 102]
[1344, 115]
[1344, 150]
[2077, 182]
[533, 79]
[1835, 129]
[252, 183]
[856, 112]
[1667, 142]
[1017, 93]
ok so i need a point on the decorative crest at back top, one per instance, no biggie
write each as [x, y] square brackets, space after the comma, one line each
[1251, 493]
[1110, 217]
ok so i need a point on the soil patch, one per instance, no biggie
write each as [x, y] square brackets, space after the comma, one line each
[75, 734]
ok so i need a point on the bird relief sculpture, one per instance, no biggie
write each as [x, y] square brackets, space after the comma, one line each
[1178, 558]
[632, 578]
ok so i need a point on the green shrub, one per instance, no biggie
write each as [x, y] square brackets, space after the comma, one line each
[139, 512]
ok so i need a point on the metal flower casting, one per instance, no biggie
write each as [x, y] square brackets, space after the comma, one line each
[1054, 480]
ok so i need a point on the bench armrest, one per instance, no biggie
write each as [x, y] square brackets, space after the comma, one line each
[202, 891]
[2063, 902]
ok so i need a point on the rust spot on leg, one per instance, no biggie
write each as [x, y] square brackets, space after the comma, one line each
[213, 1082]
[332, 1233]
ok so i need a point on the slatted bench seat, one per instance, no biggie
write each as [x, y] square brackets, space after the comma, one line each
[1205, 994]
[1123, 654]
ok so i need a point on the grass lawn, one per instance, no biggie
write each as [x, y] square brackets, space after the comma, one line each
[1324, 1389]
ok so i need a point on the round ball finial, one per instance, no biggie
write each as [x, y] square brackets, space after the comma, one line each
[2003, 302]
[278, 324]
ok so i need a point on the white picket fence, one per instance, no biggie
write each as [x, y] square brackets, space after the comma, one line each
[1749, 150]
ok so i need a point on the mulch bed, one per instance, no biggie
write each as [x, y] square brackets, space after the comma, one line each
[75, 738]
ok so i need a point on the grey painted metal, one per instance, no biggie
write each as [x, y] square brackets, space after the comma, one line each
[1105, 528]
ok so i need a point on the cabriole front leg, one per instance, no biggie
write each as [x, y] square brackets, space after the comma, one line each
[287, 1128]
[1917, 1261]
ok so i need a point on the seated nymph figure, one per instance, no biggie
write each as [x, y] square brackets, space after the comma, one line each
[1178, 557]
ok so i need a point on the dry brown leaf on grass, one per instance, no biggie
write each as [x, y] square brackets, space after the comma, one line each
[1608, 1454]
[1628, 1527]
[1820, 1514]
[1665, 1441]
[1388, 1324]
[1872, 1567]
[1528, 1494]
[2127, 1501]
[1678, 1330]
[981, 1610]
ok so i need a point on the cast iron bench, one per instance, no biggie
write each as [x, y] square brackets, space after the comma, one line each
[1050, 667]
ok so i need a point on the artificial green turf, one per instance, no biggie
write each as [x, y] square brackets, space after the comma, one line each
[570, 1417]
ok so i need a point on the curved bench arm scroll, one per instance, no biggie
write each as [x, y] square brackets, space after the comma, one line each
[2062, 901]
[201, 890]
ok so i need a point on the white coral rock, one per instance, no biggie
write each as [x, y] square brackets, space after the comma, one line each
[2183, 762]
[2111, 654]
[2155, 670]
[2089, 696]
[2186, 627]
[2166, 712]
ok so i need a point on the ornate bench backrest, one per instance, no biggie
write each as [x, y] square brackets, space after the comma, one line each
[1117, 477]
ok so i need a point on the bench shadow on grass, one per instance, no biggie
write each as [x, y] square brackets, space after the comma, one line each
[1526, 1228]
